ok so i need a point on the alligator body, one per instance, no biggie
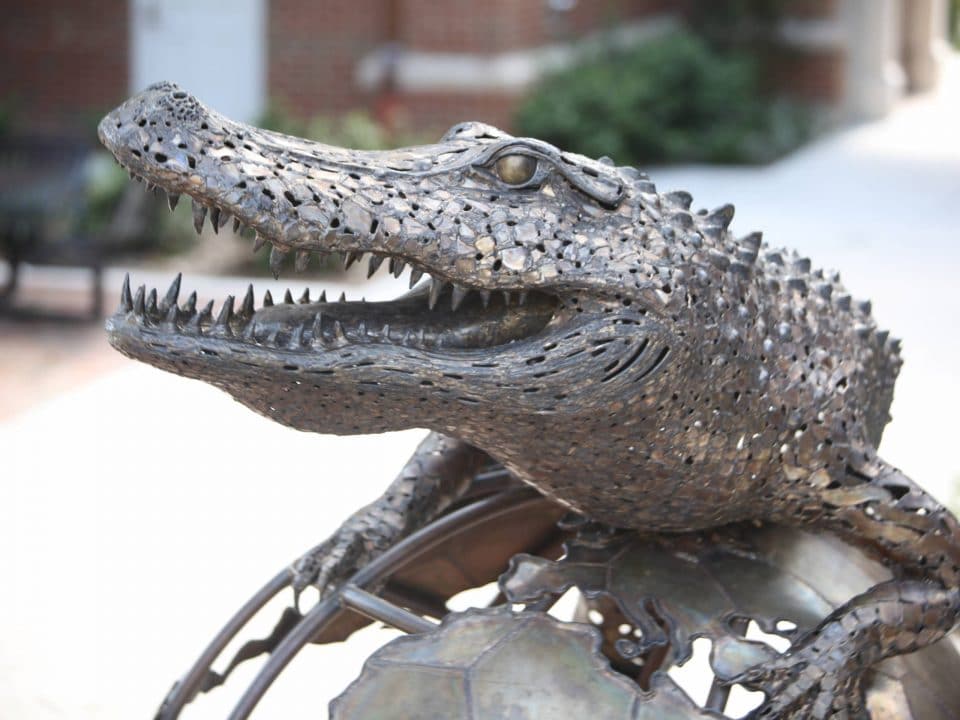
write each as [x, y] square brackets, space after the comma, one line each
[625, 355]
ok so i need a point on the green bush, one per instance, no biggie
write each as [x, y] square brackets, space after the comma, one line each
[672, 99]
[356, 129]
[954, 28]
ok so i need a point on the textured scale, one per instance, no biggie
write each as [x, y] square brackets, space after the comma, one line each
[620, 351]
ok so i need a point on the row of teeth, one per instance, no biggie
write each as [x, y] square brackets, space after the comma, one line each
[166, 312]
[219, 219]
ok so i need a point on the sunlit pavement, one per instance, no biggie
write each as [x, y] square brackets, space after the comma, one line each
[138, 509]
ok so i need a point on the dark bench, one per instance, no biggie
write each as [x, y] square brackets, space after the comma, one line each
[42, 196]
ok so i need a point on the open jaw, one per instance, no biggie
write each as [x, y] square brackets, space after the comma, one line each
[434, 315]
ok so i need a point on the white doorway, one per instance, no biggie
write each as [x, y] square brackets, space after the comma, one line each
[215, 49]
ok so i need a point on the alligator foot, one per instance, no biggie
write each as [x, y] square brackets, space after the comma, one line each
[810, 682]
[332, 562]
[821, 675]
[440, 470]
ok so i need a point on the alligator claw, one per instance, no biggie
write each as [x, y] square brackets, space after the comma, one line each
[331, 563]
[812, 681]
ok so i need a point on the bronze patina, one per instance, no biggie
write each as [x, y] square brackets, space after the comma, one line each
[623, 354]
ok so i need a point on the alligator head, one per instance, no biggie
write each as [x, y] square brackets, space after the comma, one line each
[560, 295]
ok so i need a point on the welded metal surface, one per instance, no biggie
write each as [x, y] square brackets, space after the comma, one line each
[625, 355]
[655, 595]
[493, 664]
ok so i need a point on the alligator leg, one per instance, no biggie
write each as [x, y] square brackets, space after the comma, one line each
[440, 470]
[819, 677]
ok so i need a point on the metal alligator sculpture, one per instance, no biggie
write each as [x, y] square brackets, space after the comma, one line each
[625, 355]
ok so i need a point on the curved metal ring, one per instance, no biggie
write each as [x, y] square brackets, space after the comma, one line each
[397, 557]
[330, 609]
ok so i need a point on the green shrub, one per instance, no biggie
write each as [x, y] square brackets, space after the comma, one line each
[954, 28]
[356, 129]
[672, 99]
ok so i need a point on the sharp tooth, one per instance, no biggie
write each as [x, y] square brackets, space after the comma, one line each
[149, 186]
[343, 297]
[397, 266]
[126, 301]
[323, 296]
[276, 260]
[267, 299]
[296, 337]
[248, 329]
[457, 296]
[338, 331]
[302, 260]
[362, 328]
[203, 316]
[152, 301]
[190, 306]
[305, 298]
[485, 297]
[132, 176]
[215, 219]
[415, 275]
[385, 332]
[138, 300]
[318, 326]
[199, 213]
[236, 225]
[522, 298]
[258, 242]
[288, 297]
[206, 315]
[171, 318]
[436, 287]
[173, 292]
[226, 313]
[506, 298]
[172, 201]
[374, 264]
[349, 258]
[247, 309]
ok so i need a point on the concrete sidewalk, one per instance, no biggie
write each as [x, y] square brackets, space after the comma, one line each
[142, 508]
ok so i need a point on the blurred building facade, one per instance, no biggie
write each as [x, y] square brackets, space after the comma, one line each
[422, 62]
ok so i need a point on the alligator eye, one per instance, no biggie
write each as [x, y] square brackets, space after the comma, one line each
[516, 169]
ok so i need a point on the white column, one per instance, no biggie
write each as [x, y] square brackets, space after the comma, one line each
[924, 42]
[214, 49]
[874, 77]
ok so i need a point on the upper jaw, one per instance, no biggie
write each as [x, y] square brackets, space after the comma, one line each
[299, 196]
[305, 198]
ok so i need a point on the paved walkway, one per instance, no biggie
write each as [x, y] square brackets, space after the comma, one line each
[142, 508]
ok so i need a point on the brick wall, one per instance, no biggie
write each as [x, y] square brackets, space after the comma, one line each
[813, 74]
[63, 62]
[808, 75]
[313, 48]
[494, 26]
[315, 45]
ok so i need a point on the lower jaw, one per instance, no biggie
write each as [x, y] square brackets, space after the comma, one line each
[418, 320]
